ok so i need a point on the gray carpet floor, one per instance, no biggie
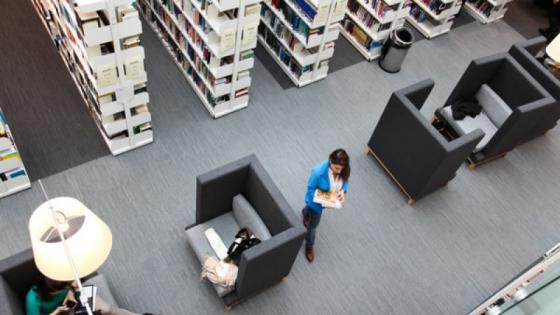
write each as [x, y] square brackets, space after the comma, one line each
[43, 106]
[444, 255]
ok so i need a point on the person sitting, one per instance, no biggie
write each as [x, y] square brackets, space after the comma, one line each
[51, 297]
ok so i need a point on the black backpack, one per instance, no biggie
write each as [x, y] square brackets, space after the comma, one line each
[244, 239]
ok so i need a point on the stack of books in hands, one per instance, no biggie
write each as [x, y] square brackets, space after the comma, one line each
[327, 199]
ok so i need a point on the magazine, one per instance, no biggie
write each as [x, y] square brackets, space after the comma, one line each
[327, 199]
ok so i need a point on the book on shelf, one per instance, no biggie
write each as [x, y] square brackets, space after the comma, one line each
[241, 92]
[127, 13]
[248, 54]
[131, 42]
[252, 9]
[15, 173]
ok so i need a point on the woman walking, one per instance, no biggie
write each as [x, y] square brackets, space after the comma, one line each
[332, 176]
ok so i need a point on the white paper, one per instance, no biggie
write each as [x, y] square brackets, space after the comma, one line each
[134, 67]
[249, 34]
[106, 75]
[227, 40]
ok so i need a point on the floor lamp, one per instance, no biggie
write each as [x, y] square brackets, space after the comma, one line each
[68, 240]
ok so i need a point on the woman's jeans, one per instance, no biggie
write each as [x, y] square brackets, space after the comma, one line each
[314, 220]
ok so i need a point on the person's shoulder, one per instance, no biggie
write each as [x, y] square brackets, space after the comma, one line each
[32, 295]
[321, 167]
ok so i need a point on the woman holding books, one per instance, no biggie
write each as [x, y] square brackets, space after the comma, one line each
[51, 297]
[326, 188]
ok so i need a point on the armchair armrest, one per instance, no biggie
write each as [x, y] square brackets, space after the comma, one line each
[270, 261]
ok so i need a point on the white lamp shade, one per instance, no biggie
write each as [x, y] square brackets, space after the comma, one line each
[89, 244]
[553, 49]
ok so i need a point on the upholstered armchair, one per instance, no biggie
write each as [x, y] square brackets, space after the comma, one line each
[414, 153]
[525, 53]
[18, 274]
[513, 104]
[260, 266]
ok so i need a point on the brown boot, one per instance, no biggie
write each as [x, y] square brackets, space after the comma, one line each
[309, 254]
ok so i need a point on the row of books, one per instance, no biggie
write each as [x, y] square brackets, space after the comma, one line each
[298, 24]
[437, 6]
[185, 63]
[485, 7]
[282, 53]
[382, 8]
[363, 15]
[200, 62]
[361, 37]
[281, 30]
[194, 39]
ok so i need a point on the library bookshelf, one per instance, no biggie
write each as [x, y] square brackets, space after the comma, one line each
[300, 34]
[433, 18]
[13, 176]
[99, 43]
[212, 43]
[486, 11]
[368, 23]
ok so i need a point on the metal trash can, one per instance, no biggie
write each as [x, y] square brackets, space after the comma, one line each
[395, 49]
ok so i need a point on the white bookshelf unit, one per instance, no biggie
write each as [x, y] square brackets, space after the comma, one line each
[486, 11]
[433, 18]
[299, 35]
[99, 42]
[368, 24]
[13, 176]
[212, 43]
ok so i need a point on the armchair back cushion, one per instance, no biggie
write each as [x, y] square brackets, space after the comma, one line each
[493, 105]
[216, 189]
[246, 216]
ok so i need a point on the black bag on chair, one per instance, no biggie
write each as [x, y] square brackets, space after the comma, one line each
[244, 239]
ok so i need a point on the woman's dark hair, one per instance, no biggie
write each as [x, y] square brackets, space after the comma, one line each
[47, 287]
[340, 157]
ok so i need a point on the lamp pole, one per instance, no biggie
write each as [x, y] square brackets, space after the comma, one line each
[83, 298]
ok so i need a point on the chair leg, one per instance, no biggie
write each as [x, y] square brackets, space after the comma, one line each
[228, 307]
[285, 279]
[410, 201]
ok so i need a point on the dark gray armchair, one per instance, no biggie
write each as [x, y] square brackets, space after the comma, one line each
[513, 105]
[270, 261]
[411, 150]
[525, 54]
[18, 274]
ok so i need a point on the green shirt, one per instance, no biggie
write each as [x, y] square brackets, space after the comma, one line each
[35, 305]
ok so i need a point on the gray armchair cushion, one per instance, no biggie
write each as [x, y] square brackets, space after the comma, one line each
[246, 216]
[9, 301]
[469, 124]
[226, 227]
[103, 289]
[493, 105]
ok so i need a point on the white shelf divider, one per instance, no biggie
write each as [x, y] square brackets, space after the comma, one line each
[103, 53]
